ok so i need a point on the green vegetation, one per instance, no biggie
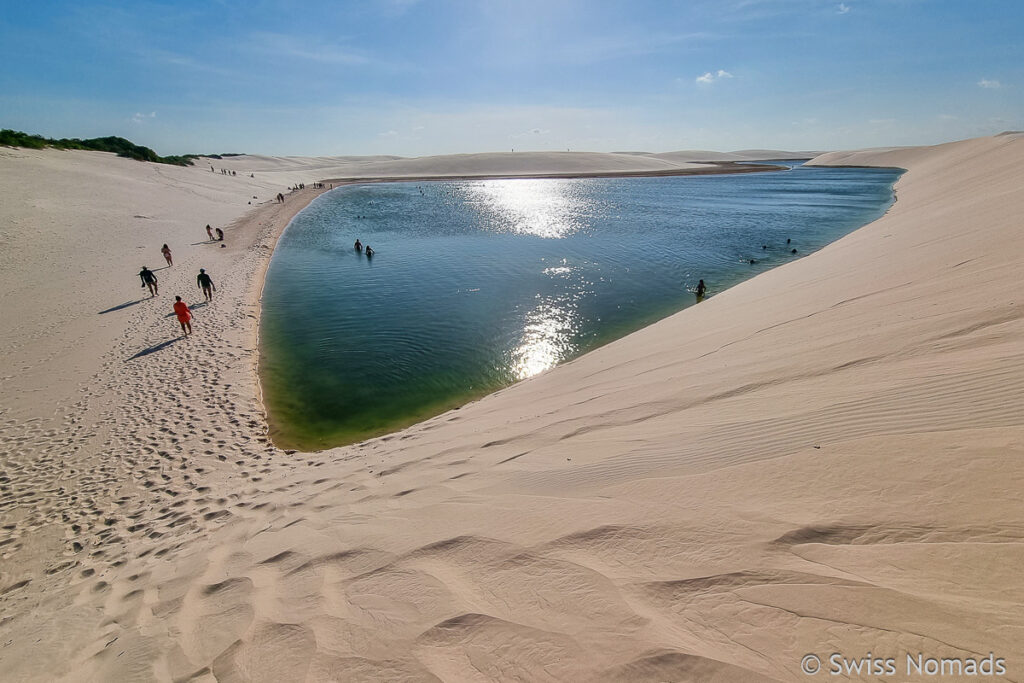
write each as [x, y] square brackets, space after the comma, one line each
[119, 146]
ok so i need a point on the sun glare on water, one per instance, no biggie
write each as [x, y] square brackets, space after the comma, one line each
[545, 341]
[542, 207]
[551, 209]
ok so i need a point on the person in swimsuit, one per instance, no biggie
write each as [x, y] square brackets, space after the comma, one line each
[209, 232]
[369, 251]
[359, 245]
[206, 284]
[220, 235]
[701, 290]
[184, 316]
[166, 251]
[149, 279]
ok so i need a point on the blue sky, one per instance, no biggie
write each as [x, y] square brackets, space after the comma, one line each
[417, 77]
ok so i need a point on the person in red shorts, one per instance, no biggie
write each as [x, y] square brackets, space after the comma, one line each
[184, 315]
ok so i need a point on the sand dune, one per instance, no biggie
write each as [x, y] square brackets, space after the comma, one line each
[825, 459]
[293, 170]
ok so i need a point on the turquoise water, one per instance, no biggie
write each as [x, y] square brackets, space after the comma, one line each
[478, 284]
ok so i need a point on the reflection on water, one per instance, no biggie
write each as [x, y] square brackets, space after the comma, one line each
[543, 207]
[546, 339]
[478, 284]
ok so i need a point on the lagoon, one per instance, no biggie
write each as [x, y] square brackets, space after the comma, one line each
[478, 284]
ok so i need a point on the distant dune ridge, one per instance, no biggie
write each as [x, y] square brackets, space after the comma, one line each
[826, 459]
[499, 163]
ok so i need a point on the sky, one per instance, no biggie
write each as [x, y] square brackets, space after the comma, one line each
[422, 77]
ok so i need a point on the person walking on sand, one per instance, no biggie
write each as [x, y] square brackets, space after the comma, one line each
[206, 284]
[220, 235]
[184, 316]
[209, 232]
[701, 290]
[149, 279]
[166, 251]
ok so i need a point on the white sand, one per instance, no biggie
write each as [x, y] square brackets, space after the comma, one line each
[827, 458]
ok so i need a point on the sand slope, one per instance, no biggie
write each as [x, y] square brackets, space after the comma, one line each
[824, 459]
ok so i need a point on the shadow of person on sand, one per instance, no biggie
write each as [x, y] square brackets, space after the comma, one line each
[155, 348]
[126, 304]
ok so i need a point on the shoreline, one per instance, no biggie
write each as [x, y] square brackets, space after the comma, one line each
[712, 168]
[255, 297]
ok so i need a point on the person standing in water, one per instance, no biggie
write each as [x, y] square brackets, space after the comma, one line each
[166, 251]
[184, 316]
[206, 284]
[701, 290]
[369, 251]
[149, 279]
[358, 245]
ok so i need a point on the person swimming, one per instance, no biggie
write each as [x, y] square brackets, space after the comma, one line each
[359, 245]
[369, 251]
[701, 289]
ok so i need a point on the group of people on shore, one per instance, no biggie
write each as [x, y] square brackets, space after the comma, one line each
[181, 309]
[203, 281]
[209, 233]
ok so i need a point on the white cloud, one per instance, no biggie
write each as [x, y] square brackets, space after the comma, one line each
[141, 118]
[992, 84]
[843, 8]
[712, 77]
